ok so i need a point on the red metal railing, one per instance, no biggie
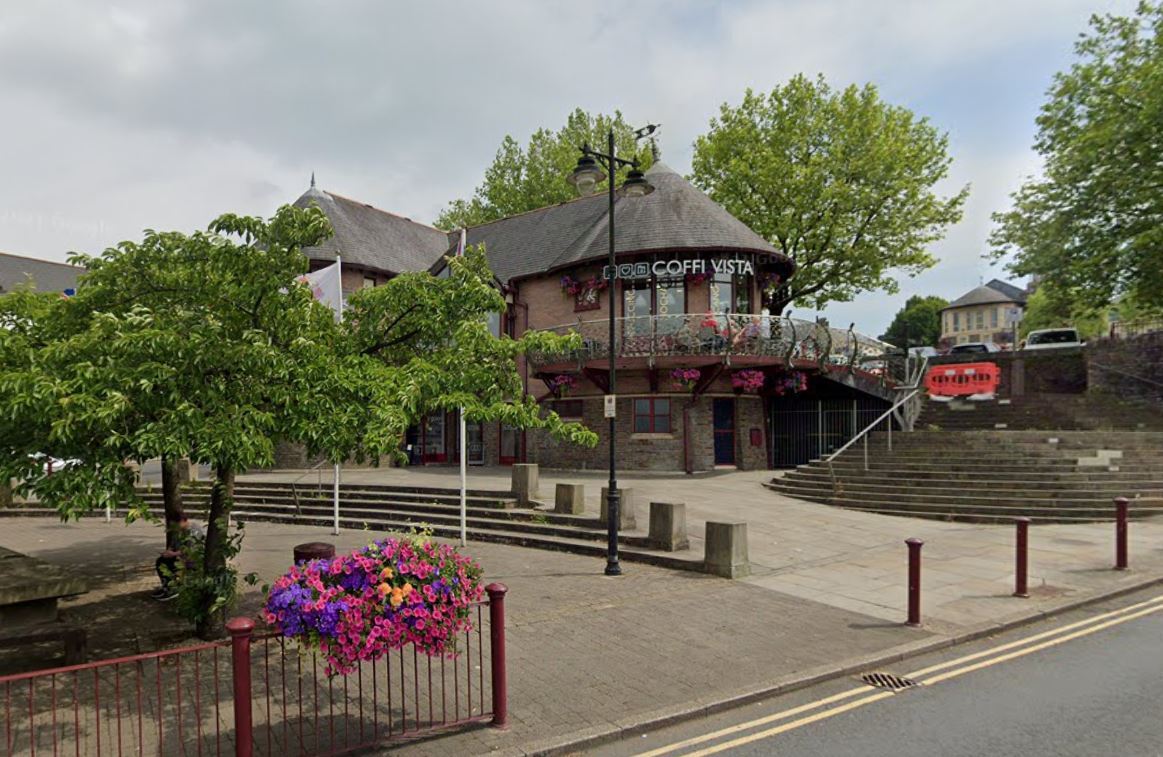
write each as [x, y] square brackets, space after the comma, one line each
[255, 694]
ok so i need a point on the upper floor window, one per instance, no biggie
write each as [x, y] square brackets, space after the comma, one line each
[956, 321]
[654, 297]
[730, 294]
[993, 317]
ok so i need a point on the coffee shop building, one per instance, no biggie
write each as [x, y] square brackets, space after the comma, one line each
[706, 377]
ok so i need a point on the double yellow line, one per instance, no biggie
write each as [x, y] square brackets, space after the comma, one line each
[835, 705]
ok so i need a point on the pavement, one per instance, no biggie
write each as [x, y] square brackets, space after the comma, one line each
[593, 658]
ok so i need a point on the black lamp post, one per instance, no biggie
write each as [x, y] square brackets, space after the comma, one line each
[585, 177]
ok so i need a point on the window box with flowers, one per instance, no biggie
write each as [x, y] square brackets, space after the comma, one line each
[685, 378]
[790, 383]
[585, 293]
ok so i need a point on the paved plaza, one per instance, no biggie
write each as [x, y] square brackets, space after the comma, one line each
[590, 655]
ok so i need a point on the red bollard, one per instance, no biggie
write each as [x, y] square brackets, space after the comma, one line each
[497, 642]
[1021, 570]
[240, 631]
[914, 581]
[1120, 533]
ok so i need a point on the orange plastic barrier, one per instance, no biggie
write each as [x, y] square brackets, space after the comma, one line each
[963, 379]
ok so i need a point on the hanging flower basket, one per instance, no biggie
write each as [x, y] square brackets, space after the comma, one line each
[769, 280]
[561, 384]
[574, 287]
[390, 593]
[747, 380]
[698, 278]
[790, 383]
[685, 378]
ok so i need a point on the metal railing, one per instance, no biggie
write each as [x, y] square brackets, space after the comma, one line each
[256, 694]
[905, 411]
[722, 334]
[1135, 327]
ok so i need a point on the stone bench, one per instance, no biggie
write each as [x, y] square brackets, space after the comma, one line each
[570, 499]
[75, 639]
[29, 590]
[668, 526]
[726, 550]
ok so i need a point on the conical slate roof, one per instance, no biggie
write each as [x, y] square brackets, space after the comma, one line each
[982, 295]
[372, 238]
[675, 218]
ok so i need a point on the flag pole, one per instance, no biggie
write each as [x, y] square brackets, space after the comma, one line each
[335, 483]
[463, 446]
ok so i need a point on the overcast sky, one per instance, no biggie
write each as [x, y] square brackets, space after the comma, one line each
[122, 116]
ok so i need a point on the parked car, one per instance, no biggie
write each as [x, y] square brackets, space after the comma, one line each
[960, 349]
[1052, 339]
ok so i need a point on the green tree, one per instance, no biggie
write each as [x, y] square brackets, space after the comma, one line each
[522, 179]
[1092, 224]
[839, 181]
[1047, 309]
[918, 323]
[204, 346]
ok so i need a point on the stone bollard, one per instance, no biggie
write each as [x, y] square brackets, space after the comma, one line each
[137, 479]
[726, 550]
[626, 521]
[668, 526]
[570, 499]
[314, 550]
[525, 485]
[187, 470]
[5, 493]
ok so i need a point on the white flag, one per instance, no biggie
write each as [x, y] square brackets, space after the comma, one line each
[326, 287]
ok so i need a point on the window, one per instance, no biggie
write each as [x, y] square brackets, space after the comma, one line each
[568, 408]
[980, 319]
[369, 282]
[652, 416]
[956, 321]
[993, 317]
[659, 297]
[730, 294]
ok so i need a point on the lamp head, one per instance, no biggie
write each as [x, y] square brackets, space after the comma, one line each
[636, 184]
[586, 175]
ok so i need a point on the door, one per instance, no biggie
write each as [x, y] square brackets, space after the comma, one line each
[510, 445]
[475, 441]
[432, 440]
[723, 412]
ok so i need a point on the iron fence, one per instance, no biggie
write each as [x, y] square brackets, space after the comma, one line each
[256, 694]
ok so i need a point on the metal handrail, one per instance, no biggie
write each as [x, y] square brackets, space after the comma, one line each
[872, 425]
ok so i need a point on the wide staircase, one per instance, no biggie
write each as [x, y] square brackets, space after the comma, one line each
[988, 464]
[491, 516]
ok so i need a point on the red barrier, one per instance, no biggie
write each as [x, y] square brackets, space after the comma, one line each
[963, 379]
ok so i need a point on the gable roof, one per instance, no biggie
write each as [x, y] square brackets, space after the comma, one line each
[675, 217]
[45, 275]
[372, 238]
[982, 295]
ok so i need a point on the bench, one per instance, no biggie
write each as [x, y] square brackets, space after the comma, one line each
[29, 591]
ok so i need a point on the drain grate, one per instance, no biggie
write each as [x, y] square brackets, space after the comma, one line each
[887, 681]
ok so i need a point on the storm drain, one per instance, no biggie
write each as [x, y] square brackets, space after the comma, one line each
[887, 681]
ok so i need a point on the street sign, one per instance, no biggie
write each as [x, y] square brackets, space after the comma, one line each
[611, 406]
[1013, 315]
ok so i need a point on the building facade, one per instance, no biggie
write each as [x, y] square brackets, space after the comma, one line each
[706, 377]
[987, 313]
[43, 275]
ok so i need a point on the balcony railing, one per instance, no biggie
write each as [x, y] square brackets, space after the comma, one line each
[721, 334]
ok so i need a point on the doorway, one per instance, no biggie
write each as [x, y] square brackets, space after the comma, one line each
[723, 414]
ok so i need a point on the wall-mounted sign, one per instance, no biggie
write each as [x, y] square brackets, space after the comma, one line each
[692, 267]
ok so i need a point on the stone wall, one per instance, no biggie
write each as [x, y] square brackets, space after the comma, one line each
[1061, 371]
[1113, 365]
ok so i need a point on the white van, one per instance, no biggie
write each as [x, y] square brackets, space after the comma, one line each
[1052, 339]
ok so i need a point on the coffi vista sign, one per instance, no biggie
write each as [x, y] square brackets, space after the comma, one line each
[675, 267]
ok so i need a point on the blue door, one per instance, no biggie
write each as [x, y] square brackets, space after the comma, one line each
[723, 412]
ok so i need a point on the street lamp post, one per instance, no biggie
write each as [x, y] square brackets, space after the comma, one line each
[585, 177]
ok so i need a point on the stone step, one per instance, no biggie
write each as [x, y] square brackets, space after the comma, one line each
[979, 489]
[281, 495]
[1082, 476]
[822, 477]
[960, 499]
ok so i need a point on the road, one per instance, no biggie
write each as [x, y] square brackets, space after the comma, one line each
[1087, 683]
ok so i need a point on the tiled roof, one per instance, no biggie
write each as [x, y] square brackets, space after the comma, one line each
[1017, 294]
[45, 275]
[372, 238]
[675, 217]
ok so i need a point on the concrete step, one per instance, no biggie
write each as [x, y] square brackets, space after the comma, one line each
[823, 478]
[1072, 477]
[977, 489]
[962, 499]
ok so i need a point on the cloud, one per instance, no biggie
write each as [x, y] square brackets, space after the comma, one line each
[133, 114]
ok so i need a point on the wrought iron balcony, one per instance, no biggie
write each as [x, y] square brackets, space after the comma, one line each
[791, 341]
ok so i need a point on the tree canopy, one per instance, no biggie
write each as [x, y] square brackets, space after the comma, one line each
[205, 346]
[1091, 226]
[917, 324]
[534, 176]
[839, 181]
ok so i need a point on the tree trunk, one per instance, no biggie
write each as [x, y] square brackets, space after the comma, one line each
[171, 500]
[214, 554]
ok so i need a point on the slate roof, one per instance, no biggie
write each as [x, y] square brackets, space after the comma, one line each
[1017, 294]
[45, 275]
[673, 218]
[983, 295]
[372, 238]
